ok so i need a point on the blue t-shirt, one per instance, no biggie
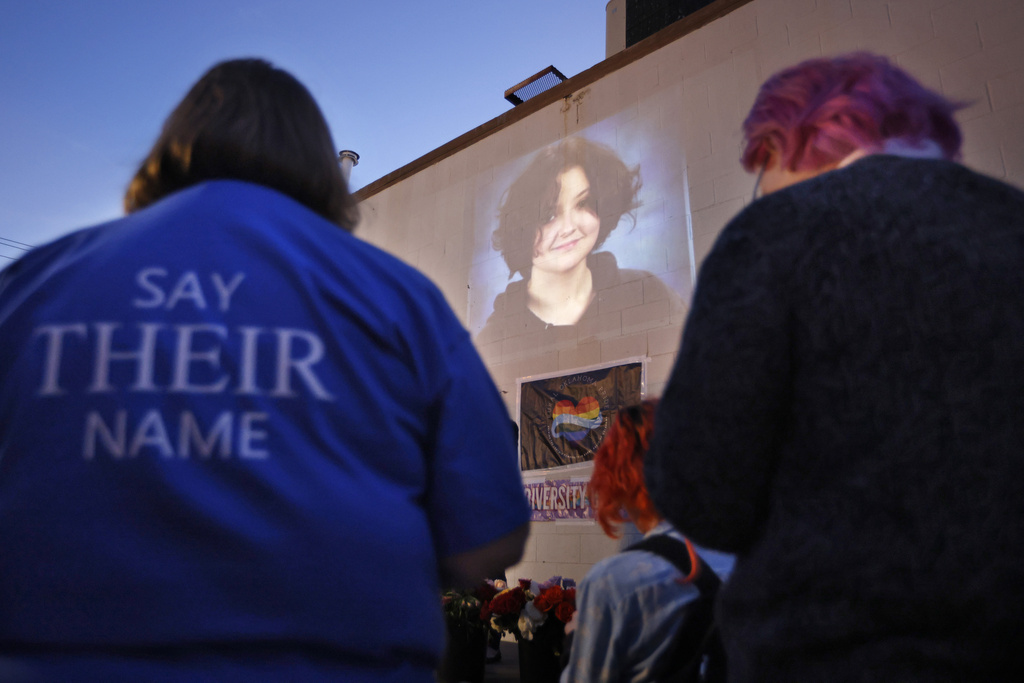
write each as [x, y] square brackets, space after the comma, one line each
[231, 432]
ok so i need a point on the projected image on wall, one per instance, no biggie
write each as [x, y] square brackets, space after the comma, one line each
[569, 236]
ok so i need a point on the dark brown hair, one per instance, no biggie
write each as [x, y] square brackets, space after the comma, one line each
[531, 198]
[246, 119]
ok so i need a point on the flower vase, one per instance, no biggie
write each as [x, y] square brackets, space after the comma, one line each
[464, 655]
[539, 657]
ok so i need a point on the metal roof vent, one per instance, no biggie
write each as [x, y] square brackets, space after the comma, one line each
[534, 85]
[347, 158]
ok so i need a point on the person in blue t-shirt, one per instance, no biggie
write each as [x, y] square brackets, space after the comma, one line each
[236, 442]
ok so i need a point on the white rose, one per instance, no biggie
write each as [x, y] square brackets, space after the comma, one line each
[526, 627]
[536, 616]
[530, 620]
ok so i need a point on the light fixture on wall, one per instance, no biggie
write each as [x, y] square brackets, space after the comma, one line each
[534, 85]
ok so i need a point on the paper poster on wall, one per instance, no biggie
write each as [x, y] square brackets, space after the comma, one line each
[563, 418]
[558, 499]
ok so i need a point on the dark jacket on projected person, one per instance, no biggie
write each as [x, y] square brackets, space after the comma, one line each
[845, 416]
[512, 317]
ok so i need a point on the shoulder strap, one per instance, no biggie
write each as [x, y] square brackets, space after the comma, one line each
[698, 634]
[683, 556]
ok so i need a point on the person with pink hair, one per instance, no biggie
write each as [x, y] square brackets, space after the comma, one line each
[825, 114]
[844, 412]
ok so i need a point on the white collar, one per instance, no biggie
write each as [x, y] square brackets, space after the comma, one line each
[926, 149]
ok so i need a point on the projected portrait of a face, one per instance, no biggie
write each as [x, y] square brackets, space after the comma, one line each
[559, 210]
[552, 223]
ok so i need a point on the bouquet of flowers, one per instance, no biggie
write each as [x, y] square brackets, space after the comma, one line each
[467, 635]
[462, 608]
[531, 610]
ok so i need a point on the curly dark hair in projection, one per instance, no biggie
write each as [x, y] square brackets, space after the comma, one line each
[529, 201]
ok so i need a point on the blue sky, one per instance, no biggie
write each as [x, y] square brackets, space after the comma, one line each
[85, 86]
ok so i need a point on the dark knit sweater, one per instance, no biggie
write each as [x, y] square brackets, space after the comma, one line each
[847, 415]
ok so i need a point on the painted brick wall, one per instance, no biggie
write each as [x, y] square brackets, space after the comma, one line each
[699, 88]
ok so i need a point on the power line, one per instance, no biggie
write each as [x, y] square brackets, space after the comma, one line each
[7, 242]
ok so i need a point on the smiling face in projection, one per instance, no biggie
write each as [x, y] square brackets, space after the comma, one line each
[563, 243]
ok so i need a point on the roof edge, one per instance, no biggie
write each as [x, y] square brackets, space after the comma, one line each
[564, 90]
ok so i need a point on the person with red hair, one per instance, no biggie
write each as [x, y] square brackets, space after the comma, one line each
[844, 412]
[631, 606]
[617, 490]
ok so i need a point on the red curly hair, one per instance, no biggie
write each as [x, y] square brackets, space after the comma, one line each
[617, 489]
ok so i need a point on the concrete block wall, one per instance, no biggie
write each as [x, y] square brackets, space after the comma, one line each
[698, 89]
[566, 549]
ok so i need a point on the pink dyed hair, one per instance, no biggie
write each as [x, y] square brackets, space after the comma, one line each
[814, 114]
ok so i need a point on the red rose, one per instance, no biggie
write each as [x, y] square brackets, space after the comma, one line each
[570, 595]
[508, 602]
[564, 611]
[524, 584]
[486, 591]
[543, 603]
[548, 599]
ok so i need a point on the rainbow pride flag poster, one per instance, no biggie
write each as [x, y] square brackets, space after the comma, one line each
[562, 419]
